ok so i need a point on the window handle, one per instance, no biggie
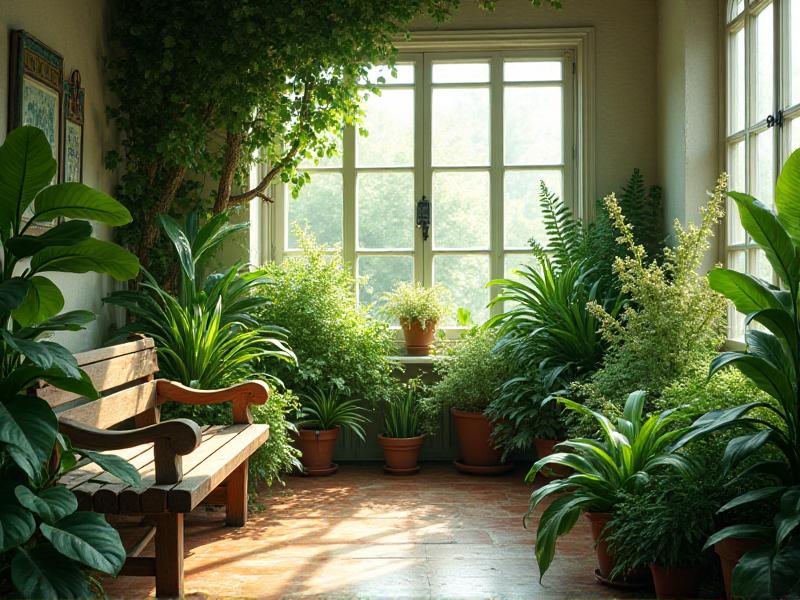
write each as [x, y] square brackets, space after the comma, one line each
[424, 216]
[776, 119]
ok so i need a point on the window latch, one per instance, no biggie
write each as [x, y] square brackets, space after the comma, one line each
[424, 216]
[776, 119]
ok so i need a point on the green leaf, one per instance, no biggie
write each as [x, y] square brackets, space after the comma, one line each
[51, 504]
[26, 166]
[556, 520]
[46, 355]
[23, 377]
[73, 320]
[766, 230]
[788, 518]
[740, 448]
[768, 572]
[12, 293]
[753, 496]
[787, 196]
[43, 300]
[17, 525]
[181, 243]
[78, 201]
[67, 233]
[757, 532]
[29, 426]
[780, 323]
[44, 573]
[87, 538]
[119, 467]
[746, 292]
[89, 255]
[761, 372]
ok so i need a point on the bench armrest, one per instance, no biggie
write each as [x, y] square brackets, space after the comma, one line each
[241, 396]
[171, 440]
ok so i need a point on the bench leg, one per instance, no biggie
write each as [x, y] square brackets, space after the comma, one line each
[236, 497]
[169, 555]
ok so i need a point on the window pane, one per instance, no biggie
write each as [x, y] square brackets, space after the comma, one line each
[382, 274]
[511, 262]
[405, 74]
[764, 179]
[736, 93]
[460, 72]
[538, 70]
[460, 127]
[532, 125]
[736, 169]
[389, 123]
[460, 203]
[764, 68]
[759, 265]
[385, 205]
[522, 217]
[465, 277]
[735, 8]
[794, 51]
[317, 208]
[794, 134]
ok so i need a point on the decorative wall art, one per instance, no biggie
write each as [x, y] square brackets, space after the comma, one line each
[72, 156]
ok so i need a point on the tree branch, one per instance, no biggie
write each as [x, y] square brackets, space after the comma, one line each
[233, 150]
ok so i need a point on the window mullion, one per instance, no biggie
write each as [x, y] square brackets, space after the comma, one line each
[423, 138]
[349, 197]
[496, 204]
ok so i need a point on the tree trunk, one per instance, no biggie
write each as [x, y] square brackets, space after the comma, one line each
[230, 161]
[149, 225]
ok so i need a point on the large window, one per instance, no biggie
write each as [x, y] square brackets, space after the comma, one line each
[762, 116]
[472, 133]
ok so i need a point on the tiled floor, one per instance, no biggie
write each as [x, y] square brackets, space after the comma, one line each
[363, 534]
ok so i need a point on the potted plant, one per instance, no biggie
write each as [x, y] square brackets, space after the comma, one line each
[322, 414]
[470, 374]
[418, 309]
[664, 527]
[628, 451]
[402, 435]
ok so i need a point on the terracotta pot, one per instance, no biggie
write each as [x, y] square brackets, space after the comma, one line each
[418, 340]
[317, 449]
[637, 578]
[546, 448]
[730, 550]
[676, 582]
[401, 454]
[474, 433]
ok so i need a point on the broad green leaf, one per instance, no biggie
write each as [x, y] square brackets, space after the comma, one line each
[51, 504]
[12, 293]
[78, 201]
[780, 323]
[42, 572]
[87, 538]
[765, 376]
[788, 518]
[757, 532]
[119, 467]
[742, 447]
[766, 230]
[768, 572]
[17, 525]
[556, 520]
[787, 196]
[181, 243]
[26, 166]
[29, 426]
[67, 233]
[46, 355]
[746, 292]
[756, 495]
[767, 346]
[73, 320]
[44, 299]
[89, 255]
[25, 376]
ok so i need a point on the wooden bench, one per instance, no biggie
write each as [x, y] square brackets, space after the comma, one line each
[180, 463]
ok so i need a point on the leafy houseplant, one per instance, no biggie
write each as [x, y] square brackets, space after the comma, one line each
[621, 461]
[47, 546]
[322, 414]
[418, 309]
[402, 429]
[771, 361]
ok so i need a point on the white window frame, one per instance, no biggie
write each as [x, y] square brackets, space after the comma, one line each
[575, 46]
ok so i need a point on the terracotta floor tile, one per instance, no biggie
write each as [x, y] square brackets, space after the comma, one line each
[363, 534]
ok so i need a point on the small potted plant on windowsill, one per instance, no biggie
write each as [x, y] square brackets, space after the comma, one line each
[322, 414]
[418, 309]
[402, 435]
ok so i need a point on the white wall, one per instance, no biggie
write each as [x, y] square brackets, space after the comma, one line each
[77, 30]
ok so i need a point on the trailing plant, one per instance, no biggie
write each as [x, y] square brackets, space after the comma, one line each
[336, 342]
[409, 302]
[631, 448]
[326, 409]
[771, 361]
[48, 549]
[403, 412]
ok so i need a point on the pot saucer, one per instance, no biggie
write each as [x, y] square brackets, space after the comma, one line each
[622, 584]
[322, 471]
[483, 470]
[396, 471]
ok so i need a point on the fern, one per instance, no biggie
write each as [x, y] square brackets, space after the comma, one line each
[566, 239]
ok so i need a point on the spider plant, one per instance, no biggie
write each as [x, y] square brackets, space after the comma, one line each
[403, 413]
[630, 449]
[326, 409]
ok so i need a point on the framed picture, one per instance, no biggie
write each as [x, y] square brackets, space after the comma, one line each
[72, 154]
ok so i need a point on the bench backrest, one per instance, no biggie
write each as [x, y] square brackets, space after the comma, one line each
[124, 376]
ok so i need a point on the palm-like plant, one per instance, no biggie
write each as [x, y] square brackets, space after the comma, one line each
[326, 409]
[403, 418]
[207, 331]
[630, 449]
[771, 361]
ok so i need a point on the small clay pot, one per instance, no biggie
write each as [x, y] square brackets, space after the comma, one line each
[478, 456]
[418, 339]
[546, 448]
[730, 550]
[676, 582]
[636, 579]
[401, 454]
[317, 449]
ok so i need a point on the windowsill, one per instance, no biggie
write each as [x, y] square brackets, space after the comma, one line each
[405, 359]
